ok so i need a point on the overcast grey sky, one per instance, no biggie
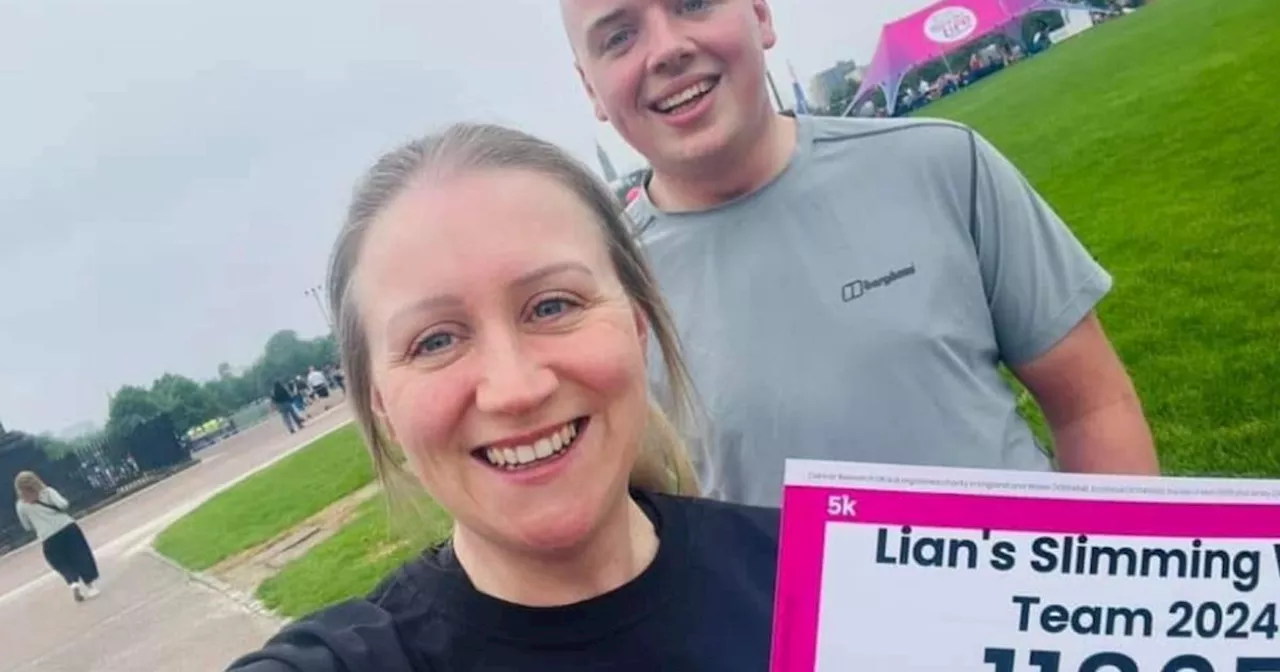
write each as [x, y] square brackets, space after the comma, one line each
[172, 172]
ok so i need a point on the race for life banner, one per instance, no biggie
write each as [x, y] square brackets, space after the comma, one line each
[887, 568]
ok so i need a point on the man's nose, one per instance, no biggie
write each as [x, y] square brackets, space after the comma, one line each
[671, 50]
[513, 381]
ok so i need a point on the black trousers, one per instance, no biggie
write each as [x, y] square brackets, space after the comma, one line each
[68, 553]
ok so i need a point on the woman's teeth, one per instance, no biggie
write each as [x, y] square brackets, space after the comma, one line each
[515, 457]
[696, 91]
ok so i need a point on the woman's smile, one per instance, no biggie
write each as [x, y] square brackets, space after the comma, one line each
[531, 450]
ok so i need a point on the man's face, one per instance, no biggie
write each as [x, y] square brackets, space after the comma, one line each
[681, 80]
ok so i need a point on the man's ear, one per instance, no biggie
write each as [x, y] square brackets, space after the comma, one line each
[597, 108]
[764, 17]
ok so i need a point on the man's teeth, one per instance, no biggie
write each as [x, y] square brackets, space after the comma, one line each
[543, 448]
[672, 102]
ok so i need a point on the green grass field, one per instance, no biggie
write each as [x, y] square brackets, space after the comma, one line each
[1156, 137]
[348, 564]
[269, 502]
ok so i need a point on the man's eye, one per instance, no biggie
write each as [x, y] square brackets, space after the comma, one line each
[616, 39]
[434, 343]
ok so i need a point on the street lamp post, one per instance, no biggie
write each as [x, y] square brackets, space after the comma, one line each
[774, 88]
[315, 293]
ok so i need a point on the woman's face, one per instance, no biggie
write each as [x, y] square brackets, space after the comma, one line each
[508, 362]
[28, 491]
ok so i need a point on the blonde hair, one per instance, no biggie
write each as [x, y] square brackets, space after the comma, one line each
[28, 486]
[664, 464]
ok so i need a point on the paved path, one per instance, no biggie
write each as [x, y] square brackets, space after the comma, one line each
[150, 616]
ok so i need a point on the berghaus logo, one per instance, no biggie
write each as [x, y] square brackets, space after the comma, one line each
[858, 288]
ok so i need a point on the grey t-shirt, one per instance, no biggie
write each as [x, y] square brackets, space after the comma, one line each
[858, 306]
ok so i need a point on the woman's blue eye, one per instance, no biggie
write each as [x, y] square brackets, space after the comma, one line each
[688, 6]
[550, 308]
[435, 342]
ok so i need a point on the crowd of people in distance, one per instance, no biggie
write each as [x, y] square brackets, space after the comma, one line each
[292, 398]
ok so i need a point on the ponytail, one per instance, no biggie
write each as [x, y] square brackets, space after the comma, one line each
[663, 465]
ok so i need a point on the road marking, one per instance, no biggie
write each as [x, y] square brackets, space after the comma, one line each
[28, 587]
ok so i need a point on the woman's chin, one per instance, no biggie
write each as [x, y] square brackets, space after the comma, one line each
[552, 528]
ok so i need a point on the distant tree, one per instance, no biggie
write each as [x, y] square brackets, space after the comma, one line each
[88, 439]
[222, 392]
[840, 97]
[286, 356]
[187, 403]
[190, 403]
[53, 446]
[130, 407]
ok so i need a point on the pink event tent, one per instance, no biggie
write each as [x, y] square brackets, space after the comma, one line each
[936, 30]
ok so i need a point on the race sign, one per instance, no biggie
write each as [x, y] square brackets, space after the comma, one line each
[912, 568]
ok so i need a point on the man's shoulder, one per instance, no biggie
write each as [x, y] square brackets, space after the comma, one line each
[834, 143]
[852, 128]
[891, 138]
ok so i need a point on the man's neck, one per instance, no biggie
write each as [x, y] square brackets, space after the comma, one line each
[613, 556]
[705, 186]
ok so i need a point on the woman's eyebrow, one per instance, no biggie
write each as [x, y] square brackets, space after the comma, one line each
[409, 312]
[539, 274]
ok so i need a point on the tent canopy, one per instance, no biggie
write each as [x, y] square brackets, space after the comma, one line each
[937, 30]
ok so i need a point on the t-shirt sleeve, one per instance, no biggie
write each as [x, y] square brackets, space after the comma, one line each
[1040, 281]
[22, 516]
[355, 635]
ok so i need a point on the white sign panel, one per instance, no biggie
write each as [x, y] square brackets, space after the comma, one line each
[901, 568]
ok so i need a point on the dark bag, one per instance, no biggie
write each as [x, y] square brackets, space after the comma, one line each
[49, 506]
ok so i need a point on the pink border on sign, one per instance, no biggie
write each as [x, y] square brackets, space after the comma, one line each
[795, 609]
[805, 518]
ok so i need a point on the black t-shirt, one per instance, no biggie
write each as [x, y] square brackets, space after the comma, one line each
[280, 395]
[704, 604]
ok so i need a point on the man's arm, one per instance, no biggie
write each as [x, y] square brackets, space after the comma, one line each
[1091, 405]
[1043, 286]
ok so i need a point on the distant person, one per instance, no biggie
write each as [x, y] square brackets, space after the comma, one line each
[521, 404]
[335, 374]
[300, 394]
[42, 510]
[318, 383]
[284, 402]
[849, 289]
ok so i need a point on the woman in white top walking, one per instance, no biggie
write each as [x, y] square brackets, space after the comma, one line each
[43, 510]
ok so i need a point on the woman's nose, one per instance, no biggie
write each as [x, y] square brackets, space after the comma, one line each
[513, 380]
